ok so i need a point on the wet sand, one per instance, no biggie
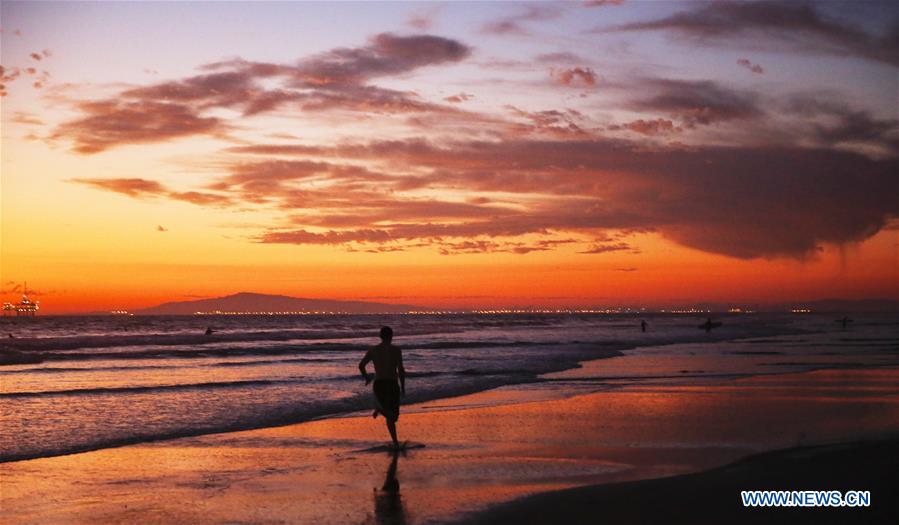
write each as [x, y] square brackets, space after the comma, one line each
[481, 450]
[713, 497]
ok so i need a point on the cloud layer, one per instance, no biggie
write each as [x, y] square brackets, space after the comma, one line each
[521, 179]
[336, 80]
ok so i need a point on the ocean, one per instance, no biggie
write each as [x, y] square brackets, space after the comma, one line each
[111, 380]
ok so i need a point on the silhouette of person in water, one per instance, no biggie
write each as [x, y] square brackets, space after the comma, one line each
[388, 503]
[642, 326]
[388, 361]
[209, 330]
[708, 325]
[844, 321]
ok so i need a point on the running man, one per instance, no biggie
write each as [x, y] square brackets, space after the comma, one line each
[388, 361]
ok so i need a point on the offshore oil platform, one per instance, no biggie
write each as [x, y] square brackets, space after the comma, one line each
[24, 308]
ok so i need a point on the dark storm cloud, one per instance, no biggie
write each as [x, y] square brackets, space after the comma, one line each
[832, 121]
[742, 202]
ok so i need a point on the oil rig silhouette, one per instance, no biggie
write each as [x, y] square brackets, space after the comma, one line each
[26, 307]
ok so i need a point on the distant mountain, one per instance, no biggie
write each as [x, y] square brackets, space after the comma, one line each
[256, 302]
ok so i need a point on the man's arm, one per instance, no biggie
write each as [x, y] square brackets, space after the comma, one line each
[401, 372]
[362, 369]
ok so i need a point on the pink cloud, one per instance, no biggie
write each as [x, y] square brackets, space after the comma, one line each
[459, 98]
[575, 76]
[335, 80]
[105, 124]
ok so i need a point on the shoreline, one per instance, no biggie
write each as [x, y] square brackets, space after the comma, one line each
[601, 351]
[478, 453]
[344, 408]
[327, 412]
[713, 496]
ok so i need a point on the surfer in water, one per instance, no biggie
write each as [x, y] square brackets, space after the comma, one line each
[708, 325]
[390, 379]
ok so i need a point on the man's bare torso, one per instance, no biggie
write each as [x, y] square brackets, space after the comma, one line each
[386, 358]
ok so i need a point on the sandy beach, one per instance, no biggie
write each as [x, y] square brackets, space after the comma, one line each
[712, 496]
[481, 451]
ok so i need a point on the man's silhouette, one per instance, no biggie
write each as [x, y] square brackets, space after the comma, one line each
[388, 361]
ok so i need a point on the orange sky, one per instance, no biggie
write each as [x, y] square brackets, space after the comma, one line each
[509, 155]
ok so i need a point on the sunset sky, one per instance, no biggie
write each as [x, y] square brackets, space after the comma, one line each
[450, 154]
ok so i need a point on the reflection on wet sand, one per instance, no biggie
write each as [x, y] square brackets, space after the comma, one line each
[388, 501]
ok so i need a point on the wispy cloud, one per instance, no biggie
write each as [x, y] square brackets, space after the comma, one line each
[657, 126]
[329, 81]
[602, 3]
[459, 98]
[144, 188]
[698, 102]
[779, 26]
[746, 63]
[608, 247]
[423, 19]
[516, 24]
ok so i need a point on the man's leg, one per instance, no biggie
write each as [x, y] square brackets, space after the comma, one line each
[391, 427]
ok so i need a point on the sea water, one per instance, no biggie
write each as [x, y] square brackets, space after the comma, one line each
[112, 380]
